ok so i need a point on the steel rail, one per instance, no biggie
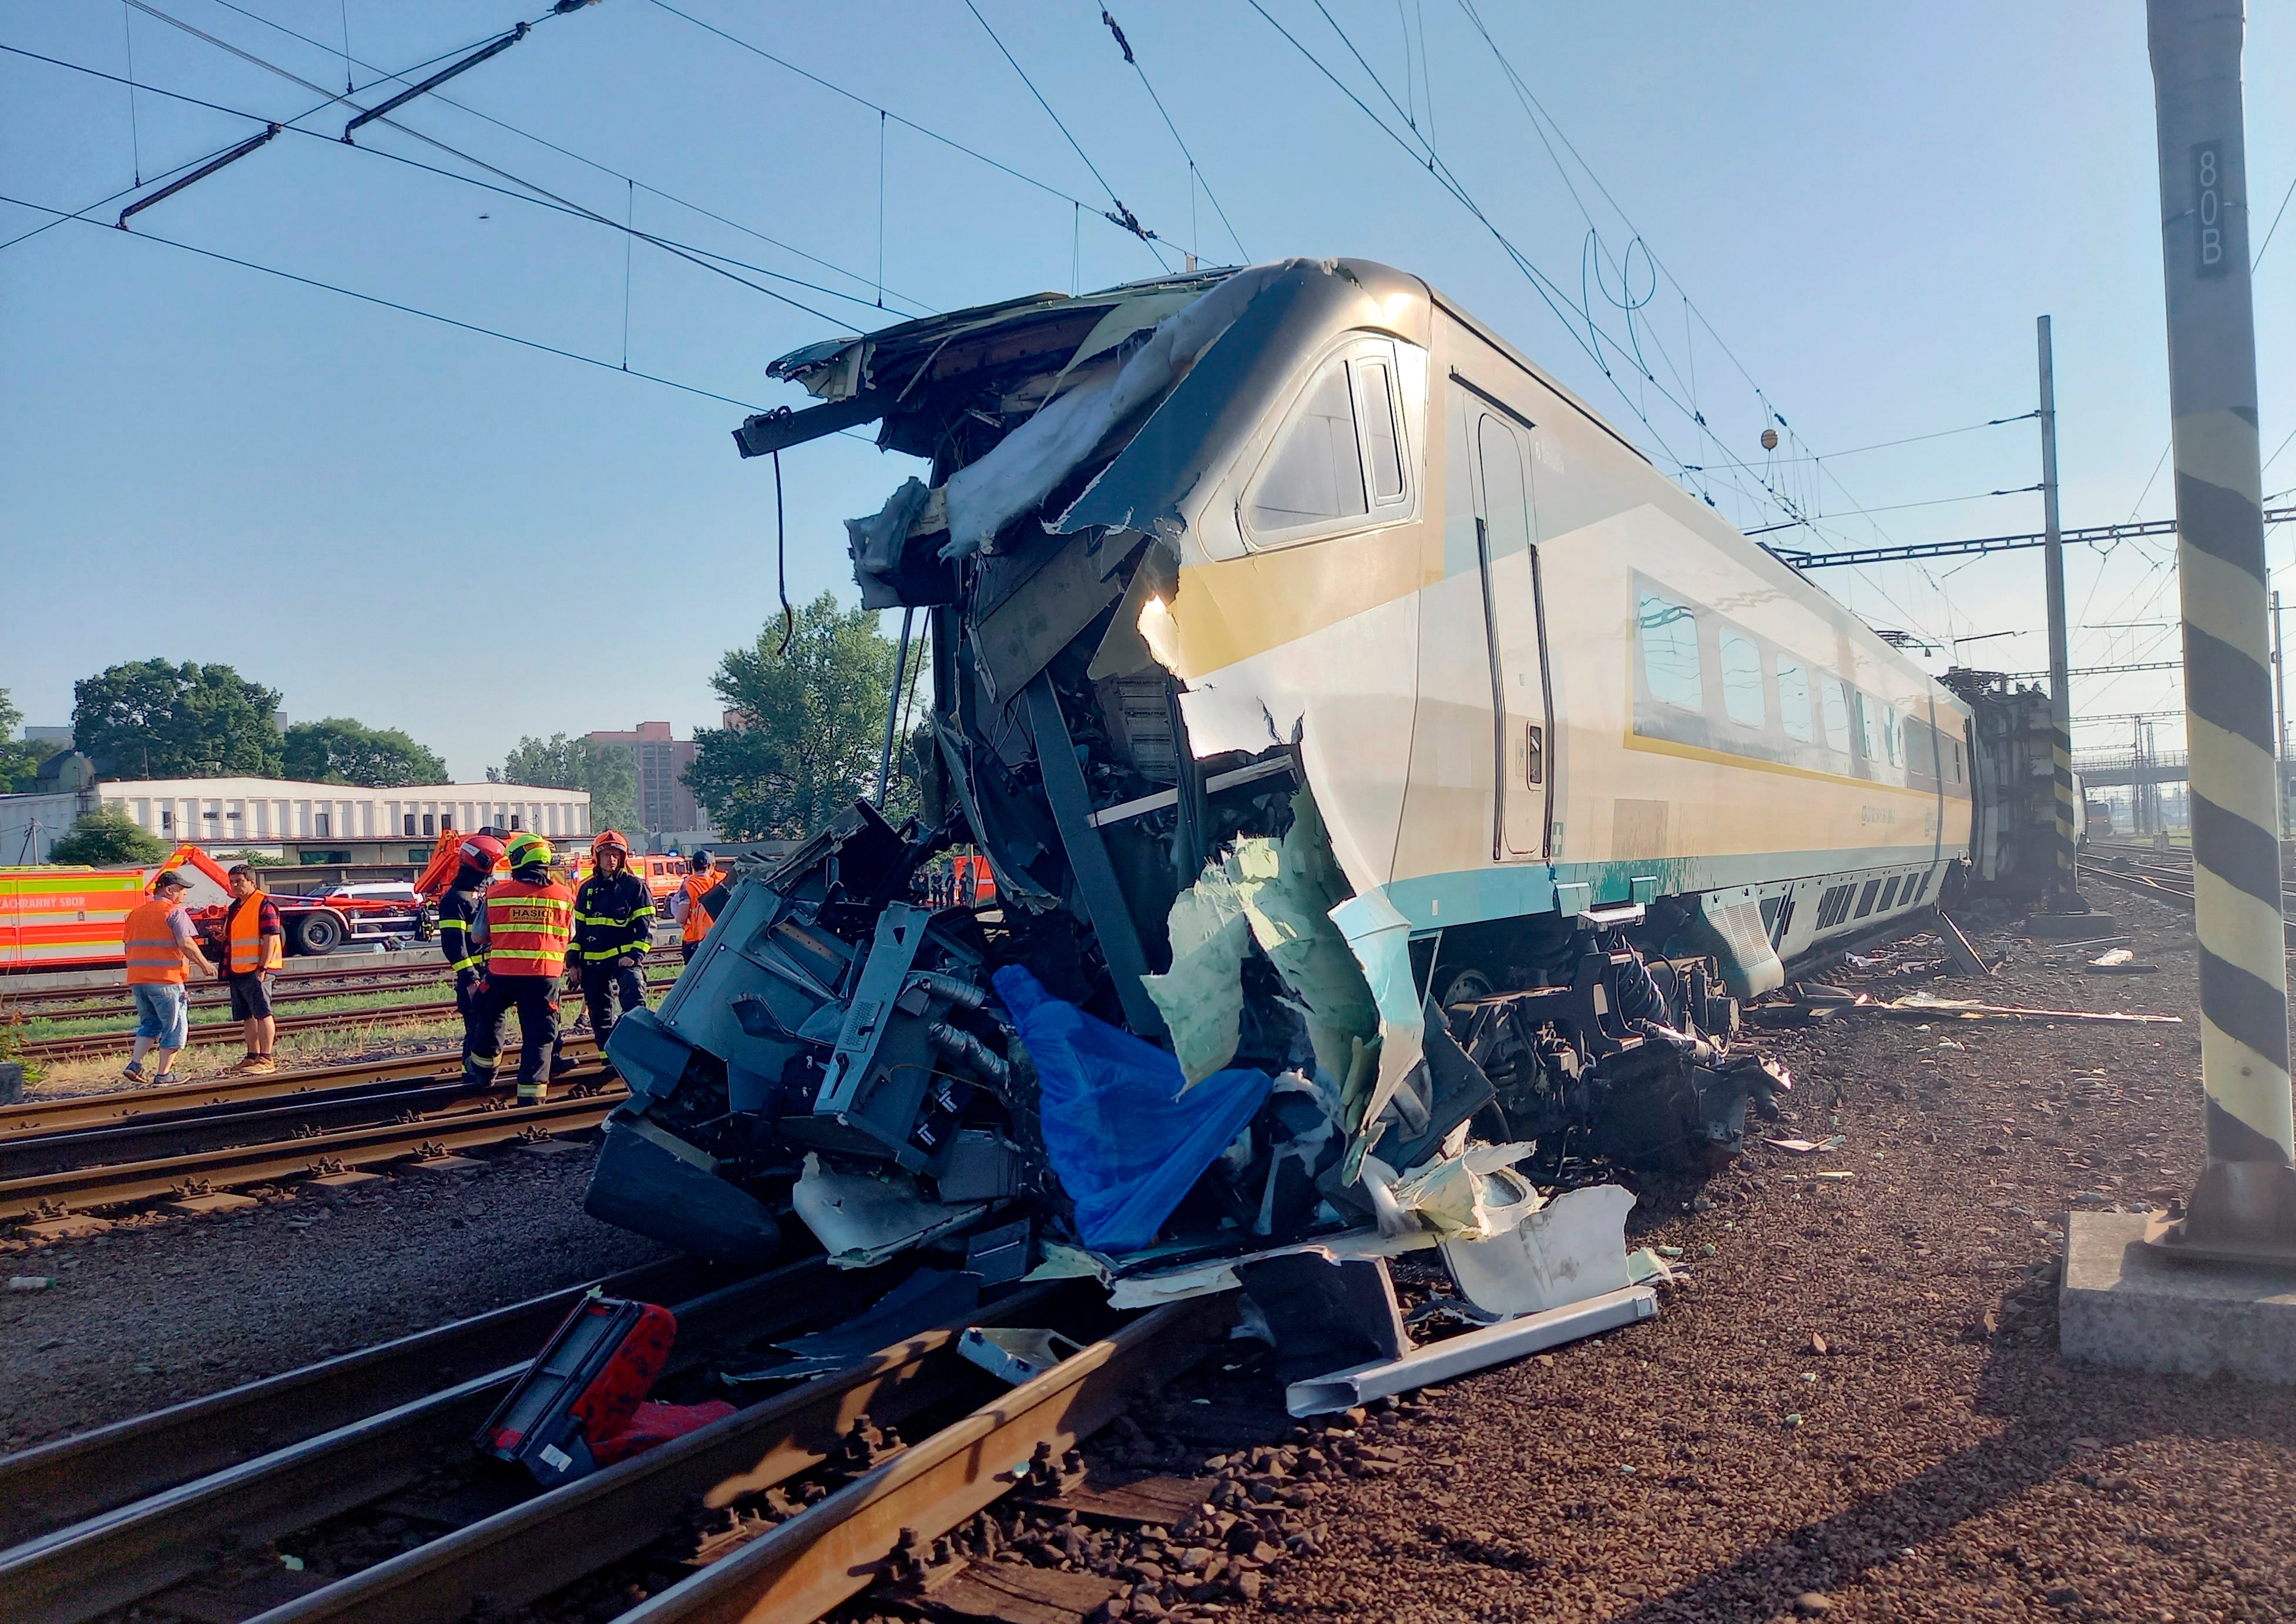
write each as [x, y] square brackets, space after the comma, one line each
[120, 1557]
[53, 1194]
[61, 1002]
[520, 1555]
[94, 1045]
[218, 1128]
[109, 1109]
[840, 1546]
[54, 1484]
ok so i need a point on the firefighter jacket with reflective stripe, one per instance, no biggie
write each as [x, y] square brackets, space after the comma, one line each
[697, 921]
[251, 949]
[529, 924]
[458, 913]
[153, 952]
[612, 917]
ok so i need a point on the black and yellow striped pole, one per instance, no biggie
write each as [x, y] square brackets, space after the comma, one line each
[2244, 1205]
[2064, 895]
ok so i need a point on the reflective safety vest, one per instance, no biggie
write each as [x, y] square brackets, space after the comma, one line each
[528, 928]
[697, 917]
[250, 949]
[152, 952]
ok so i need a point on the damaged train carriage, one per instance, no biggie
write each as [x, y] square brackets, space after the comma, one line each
[1374, 755]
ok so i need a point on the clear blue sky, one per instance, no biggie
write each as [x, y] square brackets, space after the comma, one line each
[1867, 205]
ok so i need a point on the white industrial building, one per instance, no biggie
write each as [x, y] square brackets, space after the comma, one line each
[301, 823]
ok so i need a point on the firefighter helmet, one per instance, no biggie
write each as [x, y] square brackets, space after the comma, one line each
[531, 848]
[609, 840]
[481, 851]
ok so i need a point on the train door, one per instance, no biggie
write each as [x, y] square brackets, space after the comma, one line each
[1512, 624]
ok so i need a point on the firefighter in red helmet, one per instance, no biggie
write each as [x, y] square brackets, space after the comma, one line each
[613, 929]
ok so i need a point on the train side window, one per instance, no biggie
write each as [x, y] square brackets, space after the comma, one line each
[1890, 740]
[1670, 635]
[1793, 700]
[1869, 743]
[1837, 715]
[1742, 680]
[1383, 442]
[1315, 474]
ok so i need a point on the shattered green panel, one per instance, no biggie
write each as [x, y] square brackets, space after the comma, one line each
[1278, 895]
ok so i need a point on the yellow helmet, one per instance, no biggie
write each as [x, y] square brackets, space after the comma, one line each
[525, 849]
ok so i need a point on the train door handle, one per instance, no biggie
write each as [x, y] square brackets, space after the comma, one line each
[1534, 753]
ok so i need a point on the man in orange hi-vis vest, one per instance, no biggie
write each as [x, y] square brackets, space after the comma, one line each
[163, 953]
[686, 902]
[525, 928]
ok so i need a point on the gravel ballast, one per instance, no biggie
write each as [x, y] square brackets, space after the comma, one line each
[156, 1311]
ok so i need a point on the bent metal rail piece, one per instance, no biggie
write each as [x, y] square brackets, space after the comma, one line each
[53, 1193]
[838, 1547]
[109, 1561]
[54, 1484]
[68, 1114]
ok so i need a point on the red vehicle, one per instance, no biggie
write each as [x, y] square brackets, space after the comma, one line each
[321, 922]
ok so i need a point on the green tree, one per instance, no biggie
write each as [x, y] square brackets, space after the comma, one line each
[609, 772]
[19, 759]
[814, 722]
[340, 751]
[150, 719]
[107, 838]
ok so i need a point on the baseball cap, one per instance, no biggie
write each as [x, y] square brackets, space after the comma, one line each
[169, 876]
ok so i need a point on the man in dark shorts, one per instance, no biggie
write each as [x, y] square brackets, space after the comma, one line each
[255, 945]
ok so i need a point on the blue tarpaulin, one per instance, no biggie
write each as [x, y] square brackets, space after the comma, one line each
[1125, 1140]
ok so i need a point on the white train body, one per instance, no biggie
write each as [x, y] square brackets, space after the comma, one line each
[1539, 675]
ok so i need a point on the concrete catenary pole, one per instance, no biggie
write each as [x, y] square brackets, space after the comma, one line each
[2246, 1198]
[2280, 710]
[2063, 883]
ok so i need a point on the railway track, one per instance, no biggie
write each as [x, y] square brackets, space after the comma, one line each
[203, 1150]
[809, 1492]
[2173, 884]
[287, 986]
[95, 1046]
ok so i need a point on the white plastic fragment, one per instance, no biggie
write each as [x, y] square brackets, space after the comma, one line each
[1570, 1249]
[30, 1282]
[1475, 1350]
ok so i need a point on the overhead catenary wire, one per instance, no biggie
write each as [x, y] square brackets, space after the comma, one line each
[604, 168]
[1195, 172]
[855, 96]
[528, 193]
[1121, 215]
[388, 304]
[188, 163]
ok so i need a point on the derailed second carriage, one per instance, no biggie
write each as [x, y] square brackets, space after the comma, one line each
[1389, 779]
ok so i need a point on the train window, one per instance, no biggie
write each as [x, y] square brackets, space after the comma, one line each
[1890, 744]
[1920, 750]
[1793, 700]
[1383, 444]
[1314, 474]
[1869, 742]
[1742, 680]
[1670, 637]
[1837, 715]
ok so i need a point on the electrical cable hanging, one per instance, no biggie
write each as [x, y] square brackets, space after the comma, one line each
[780, 562]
